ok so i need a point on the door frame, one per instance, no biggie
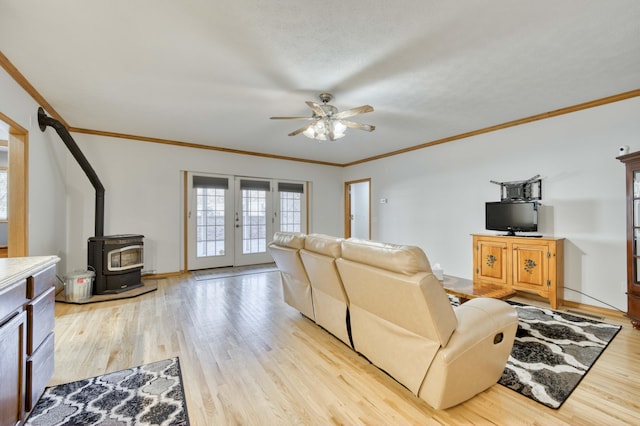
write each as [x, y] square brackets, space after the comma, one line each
[347, 205]
[18, 176]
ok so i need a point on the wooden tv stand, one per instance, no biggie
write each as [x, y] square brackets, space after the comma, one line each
[521, 263]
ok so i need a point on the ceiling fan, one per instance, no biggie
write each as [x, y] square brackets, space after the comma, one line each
[327, 123]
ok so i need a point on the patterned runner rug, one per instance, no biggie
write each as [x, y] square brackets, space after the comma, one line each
[552, 353]
[150, 394]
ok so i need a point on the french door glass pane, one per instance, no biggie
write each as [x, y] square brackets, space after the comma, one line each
[254, 228]
[290, 205]
[210, 222]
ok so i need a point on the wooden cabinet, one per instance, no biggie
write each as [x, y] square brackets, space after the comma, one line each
[520, 263]
[27, 291]
[632, 163]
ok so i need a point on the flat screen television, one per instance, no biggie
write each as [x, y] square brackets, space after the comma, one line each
[512, 216]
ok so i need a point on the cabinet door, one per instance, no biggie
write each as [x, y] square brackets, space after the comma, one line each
[491, 261]
[12, 370]
[531, 267]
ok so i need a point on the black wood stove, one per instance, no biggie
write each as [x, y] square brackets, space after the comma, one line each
[117, 260]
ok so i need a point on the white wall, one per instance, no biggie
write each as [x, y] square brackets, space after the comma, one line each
[46, 200]
[143, 193]
[436, 195]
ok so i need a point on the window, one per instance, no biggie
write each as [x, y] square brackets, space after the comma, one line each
[291, 198]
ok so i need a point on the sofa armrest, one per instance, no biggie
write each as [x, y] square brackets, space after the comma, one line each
[480, 319]
[476, 354]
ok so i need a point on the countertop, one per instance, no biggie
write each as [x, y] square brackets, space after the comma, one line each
[13, 269]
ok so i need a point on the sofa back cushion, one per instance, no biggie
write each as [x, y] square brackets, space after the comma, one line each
[330, 302]
[324, 244]
[406, 260]
[296, 288]
[294, 240]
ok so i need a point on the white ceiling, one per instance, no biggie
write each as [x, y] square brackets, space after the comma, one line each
[213, 72]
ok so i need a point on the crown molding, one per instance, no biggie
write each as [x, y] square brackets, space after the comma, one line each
[24, 83]
[195, 145]
[537, 117]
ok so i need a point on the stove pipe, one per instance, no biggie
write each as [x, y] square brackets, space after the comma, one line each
[45, 121]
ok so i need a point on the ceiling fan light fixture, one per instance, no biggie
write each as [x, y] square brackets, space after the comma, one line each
[321, 130]
[327, 123]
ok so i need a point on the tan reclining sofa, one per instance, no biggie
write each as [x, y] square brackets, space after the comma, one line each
[399, 317]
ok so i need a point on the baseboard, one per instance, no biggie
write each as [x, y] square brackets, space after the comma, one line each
[164, 275]
[568, 304]
[594, 309]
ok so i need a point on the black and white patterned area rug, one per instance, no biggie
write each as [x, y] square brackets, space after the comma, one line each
[552, 352]
[150, 394]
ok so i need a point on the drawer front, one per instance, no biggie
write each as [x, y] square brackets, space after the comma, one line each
[40, 319]
[12, 298]
[39, 371]
[40, 282]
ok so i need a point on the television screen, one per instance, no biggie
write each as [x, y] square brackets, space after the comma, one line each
[514, 216]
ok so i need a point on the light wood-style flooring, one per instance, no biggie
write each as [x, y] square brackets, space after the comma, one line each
[247, 358]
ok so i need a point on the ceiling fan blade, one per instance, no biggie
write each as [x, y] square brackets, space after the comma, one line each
[301, 129]
[291, 118]
[316, 108]
[353, 111]
[359, 126]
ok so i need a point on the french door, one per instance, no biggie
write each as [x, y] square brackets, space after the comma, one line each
[254, 221]
[231, 220]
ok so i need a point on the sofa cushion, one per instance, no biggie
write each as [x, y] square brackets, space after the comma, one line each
[324, 244]
[294, 240]
[407, 260]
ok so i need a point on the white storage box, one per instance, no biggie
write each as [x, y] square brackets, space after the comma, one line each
[78, 285]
